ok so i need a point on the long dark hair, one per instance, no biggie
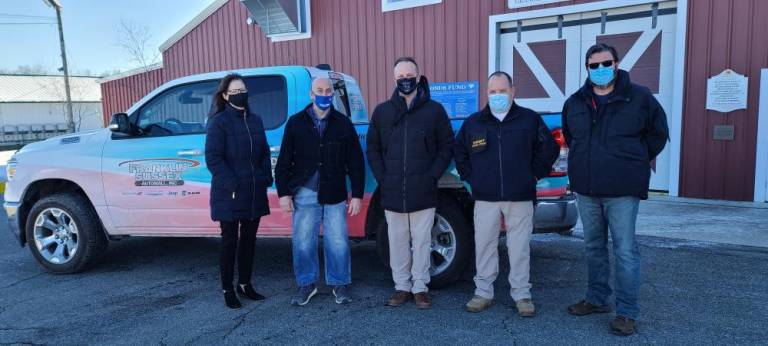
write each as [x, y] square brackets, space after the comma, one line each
[218, 104]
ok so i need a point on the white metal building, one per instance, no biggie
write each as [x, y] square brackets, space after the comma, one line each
[34, 107]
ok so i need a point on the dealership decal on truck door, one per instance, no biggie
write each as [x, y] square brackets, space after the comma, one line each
[159, 172]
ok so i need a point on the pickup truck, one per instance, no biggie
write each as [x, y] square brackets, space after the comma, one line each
[67, 197]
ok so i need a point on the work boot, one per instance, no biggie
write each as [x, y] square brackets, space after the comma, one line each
[525, 307]
[399, 298]
[423, 300]
[623, 326]
[478, 303]
[583, 308]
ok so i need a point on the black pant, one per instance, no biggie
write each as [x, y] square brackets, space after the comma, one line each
[229, 248]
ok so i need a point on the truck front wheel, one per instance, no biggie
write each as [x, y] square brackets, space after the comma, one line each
[64, 233]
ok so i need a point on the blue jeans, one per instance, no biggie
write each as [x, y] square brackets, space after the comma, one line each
[619, 214]
[308, 214]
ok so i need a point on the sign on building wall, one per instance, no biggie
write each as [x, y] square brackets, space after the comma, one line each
[727, 92]
[458, 98]
[526, 3]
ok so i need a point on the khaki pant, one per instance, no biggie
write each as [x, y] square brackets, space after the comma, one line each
[518, 218]
[410, 238]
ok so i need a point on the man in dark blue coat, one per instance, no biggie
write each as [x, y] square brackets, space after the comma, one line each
[614, 129]
[502, 151]
[320, 149]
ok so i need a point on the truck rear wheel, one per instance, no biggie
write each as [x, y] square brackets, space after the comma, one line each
[64, 233]
[452, 243]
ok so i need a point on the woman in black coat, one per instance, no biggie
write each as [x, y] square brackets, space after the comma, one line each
[237, 154]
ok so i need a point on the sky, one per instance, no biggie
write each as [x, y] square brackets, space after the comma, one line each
[91, 31]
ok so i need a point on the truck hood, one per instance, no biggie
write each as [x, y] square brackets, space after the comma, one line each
[64, 141]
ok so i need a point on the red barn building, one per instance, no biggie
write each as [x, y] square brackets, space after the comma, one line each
[673, 47]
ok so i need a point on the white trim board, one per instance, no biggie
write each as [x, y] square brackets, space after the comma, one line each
[674, 119]
[387, 6]
[761, 155]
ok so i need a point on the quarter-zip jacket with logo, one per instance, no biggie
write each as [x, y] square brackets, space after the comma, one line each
[334, 155]
[611, 146]
[409, 148]
[502, 159]
[237, 154]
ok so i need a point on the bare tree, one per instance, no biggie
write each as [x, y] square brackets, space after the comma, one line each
[35, 70]
[135, 40]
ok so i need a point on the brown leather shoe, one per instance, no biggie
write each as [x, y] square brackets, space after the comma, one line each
[623, 326]
[583, 308]
[399, 298]
[423, 300]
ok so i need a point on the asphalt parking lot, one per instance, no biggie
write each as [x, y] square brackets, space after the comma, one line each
[165, 291]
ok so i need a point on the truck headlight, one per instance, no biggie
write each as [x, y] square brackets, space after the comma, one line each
[10, 168]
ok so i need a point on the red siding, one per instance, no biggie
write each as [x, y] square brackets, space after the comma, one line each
[722, 34]
[120, 94]
[449, 40]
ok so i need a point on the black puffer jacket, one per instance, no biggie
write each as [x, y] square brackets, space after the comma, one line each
[409, 149]
[237, 154]
[611, 146]
[502, 159]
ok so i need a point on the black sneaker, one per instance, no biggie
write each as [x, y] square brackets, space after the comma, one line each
[341, 293]
[623, 326]
[304, 295]
[247, 291]
[230, 298]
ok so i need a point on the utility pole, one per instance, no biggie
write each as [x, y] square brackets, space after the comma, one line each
[70, 117]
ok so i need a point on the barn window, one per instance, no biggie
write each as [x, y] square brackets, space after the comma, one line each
[280, 20]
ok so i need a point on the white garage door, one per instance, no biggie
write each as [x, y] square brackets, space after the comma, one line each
[545, 57]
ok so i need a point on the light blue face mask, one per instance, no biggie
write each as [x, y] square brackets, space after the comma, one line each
[601, 76]
[498, 103]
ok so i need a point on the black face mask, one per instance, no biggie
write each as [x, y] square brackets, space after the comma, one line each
[239, 100]
[406, 85]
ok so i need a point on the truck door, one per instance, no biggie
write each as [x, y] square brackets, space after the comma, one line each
[156, 182]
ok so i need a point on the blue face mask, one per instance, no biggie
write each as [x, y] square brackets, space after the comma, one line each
[498, 102]
[323, 102]
[601, 76]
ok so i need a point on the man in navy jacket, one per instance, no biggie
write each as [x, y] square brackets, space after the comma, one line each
[502, 151]
[614, 129]
[320, 149]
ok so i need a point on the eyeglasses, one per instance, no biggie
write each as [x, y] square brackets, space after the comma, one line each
[595, 65]
[236, 91]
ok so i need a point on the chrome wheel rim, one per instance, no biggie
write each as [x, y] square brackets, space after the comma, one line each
[443, 246]
[56, 235]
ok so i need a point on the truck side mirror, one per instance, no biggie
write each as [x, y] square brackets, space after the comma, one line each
[120, 123]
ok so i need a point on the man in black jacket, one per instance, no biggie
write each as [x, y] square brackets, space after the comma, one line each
[409, 148]
[614, 129]
[320, 149]
[502, 151]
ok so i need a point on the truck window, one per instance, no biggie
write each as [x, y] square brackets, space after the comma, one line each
[268, 98]
[177, 111]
